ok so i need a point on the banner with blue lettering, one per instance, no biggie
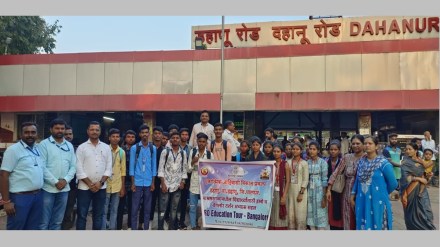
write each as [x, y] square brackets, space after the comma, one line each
[236, 195]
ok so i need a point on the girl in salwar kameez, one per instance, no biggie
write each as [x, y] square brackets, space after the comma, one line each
[374, 182]
[278, 214]
[297, 199]
[415, 200]
[348, 167]
[334, 206]
[317, 215]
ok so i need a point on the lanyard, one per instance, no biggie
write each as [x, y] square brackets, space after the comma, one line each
[60, 147]
[175, 156]
[36, 153]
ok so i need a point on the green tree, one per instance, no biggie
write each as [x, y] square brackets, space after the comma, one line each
[29, 34]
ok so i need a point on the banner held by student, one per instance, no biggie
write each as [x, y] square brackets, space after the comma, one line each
[236, 195]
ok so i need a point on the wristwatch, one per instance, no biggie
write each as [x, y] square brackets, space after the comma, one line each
[102, 183]
[301, 192]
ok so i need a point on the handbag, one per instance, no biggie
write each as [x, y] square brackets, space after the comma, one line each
[338, 185]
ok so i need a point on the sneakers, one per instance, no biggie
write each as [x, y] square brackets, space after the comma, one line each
[182, 227]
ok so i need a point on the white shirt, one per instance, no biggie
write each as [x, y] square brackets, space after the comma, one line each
[229, 136]
[431, 145]
[345, 146]
[173, 170]
[197, 128]
[93, 162]
[194, 183]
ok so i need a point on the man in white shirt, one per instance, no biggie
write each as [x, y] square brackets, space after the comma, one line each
[94, 167]
[199, 152]
[345, 143]
[228, 135]
[205, 127]
[172, 174]
[428, 142]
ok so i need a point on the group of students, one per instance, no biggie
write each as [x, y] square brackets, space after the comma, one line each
[137, 177]
[363, 203]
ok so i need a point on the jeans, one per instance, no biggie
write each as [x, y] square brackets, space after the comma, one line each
[83, 204]
[54, 206]
[27, 211]
[69, 214]
[112, 203]
[124, 201]
[174, 197]
[143, 194]
[193, 201]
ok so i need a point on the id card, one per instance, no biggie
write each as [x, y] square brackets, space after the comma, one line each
[277, 188]
[294, 179]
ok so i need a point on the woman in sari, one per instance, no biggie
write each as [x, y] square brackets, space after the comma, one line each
[374, 182]
[278, 214]
[415, 199]
[348, 167]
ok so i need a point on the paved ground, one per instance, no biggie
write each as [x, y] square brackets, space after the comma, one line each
[399, 223]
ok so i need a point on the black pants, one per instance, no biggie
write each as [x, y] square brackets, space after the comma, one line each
[69, 214]
[155, 198]
[184, 202]
[124, 203]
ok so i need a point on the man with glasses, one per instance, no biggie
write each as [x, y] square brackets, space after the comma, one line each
[59, 156]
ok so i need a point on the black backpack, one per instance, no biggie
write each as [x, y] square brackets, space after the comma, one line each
[181, 153]
[138, 150]
[225, 147]
[194, 152]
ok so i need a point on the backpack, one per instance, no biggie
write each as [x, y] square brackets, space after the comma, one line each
[181, 153]
[225, 147]
[194, 152]
[120, 153]
[138, 151]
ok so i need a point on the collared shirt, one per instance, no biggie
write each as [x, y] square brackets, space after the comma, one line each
[173, 170]
[229, 136]
[60, 162]
[114, 182]
[431, 145]
[127, 164]
[194, 169]
[93, 162]
[25, 166]
[197, 128]
[144, 167]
